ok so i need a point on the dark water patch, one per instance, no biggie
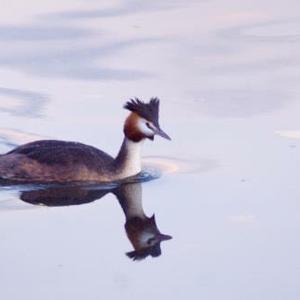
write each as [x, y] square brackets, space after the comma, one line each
[29, 104]
[39, 32]
[127, 7]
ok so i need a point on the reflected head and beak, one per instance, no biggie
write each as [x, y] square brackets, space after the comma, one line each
[145, 237]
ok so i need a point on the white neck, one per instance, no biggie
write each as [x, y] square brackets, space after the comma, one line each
[128, 161]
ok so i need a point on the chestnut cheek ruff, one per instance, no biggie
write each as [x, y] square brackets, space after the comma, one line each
[131, 129]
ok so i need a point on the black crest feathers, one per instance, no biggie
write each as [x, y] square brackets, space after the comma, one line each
[153, 251]
[148, 111]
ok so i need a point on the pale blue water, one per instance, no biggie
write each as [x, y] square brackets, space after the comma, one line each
[228, 77]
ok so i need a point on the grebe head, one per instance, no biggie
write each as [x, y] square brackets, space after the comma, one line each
[143, 121]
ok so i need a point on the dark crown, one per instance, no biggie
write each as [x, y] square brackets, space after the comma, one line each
[148, 111]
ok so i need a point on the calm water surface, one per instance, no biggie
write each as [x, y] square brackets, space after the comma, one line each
[227, 73]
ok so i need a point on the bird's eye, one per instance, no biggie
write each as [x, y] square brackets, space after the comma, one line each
[151, 241]
[148, 125]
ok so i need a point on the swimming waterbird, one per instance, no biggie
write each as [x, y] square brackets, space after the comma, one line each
[61, 161]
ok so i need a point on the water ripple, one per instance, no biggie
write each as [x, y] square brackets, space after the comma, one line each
[28, 103]
[273, 31]
[127, 7]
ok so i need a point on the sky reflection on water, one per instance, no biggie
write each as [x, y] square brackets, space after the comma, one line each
[126, 7]
[228, 77]
[29, 104]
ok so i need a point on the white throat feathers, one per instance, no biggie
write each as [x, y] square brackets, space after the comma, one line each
[129, 158]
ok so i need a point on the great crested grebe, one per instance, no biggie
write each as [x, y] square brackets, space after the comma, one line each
[61, 161]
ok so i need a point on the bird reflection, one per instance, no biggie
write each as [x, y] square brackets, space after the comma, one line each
[141, 230]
